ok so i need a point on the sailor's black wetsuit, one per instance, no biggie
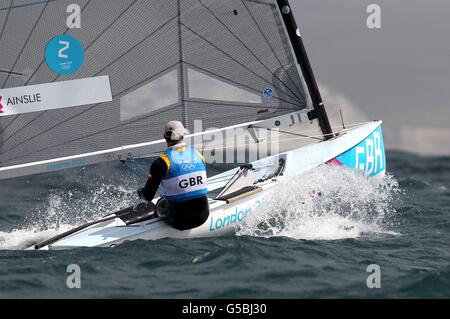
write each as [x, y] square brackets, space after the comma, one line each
[185, 185]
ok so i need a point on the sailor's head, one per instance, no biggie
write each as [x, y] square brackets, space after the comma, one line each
[174, 132]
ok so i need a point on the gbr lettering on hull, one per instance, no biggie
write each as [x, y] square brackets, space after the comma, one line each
[370, 158]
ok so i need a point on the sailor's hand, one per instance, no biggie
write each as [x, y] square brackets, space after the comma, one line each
[140, 193]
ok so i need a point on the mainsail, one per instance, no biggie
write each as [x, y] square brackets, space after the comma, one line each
[219, 61]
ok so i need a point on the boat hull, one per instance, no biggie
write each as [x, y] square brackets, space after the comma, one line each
[361, 149]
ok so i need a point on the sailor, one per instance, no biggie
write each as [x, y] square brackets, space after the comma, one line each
[181, 171]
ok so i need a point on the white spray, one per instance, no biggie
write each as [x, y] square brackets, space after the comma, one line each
[69, 207]
[328, 203]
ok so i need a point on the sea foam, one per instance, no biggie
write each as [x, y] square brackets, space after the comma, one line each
[327, 203]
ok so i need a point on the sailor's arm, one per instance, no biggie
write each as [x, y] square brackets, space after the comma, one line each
[157, 171]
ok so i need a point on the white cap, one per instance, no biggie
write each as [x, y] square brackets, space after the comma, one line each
[174, 130]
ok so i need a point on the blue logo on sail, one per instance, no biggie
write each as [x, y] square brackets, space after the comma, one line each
[64, 55]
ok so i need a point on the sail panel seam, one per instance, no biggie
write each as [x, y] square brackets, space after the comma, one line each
[268, 43]
[25, 44]
[251, 52]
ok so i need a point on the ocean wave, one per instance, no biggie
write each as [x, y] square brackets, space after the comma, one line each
[66, 208]
[328, 203]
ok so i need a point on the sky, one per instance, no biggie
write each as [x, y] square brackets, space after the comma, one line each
[399, 74]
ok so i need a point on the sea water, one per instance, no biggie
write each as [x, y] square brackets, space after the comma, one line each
[314, 237]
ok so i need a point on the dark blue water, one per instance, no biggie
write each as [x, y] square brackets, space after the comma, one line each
[300, 246]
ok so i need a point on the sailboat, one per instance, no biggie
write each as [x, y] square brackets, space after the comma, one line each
[84, 82]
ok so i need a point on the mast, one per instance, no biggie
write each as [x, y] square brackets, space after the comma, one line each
[182, 70]
[303, 60]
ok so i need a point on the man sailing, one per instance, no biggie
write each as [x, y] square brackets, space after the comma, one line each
[181, 171]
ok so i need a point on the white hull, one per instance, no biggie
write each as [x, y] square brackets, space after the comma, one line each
[364, 141]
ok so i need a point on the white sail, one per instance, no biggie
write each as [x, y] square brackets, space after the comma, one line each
[227, 63]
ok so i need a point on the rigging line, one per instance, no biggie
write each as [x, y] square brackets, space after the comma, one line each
[6, 20]
[26, 42]
[93, 134]
[26, 83]
[218, 104]
[270, 46]
[88, 109]
[211, 145]
[84, 137]
[231, 174]
[289, 133]
[138, 165]
[151, 155]
[243, 106]
[248, 49]
[241, 138]
[148, 156]
[132, 170]
[229, 56]
[230, 105]
[304, 135]
[240, 84]
[128, 164]
[155, 154]
[107, 66]
[262, 142]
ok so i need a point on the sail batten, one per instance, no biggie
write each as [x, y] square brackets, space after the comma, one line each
[219, 61]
